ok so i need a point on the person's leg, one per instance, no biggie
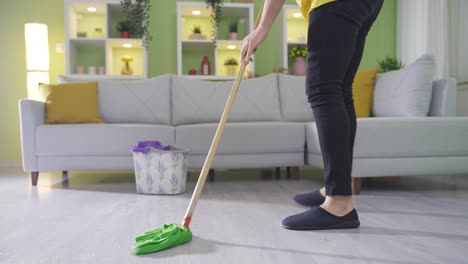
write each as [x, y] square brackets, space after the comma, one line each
[317, 197]
[331, 43]
[351, 73]
[332, 37]
[332, 40]
[340, 205]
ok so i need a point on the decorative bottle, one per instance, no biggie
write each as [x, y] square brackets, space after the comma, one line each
[205, 68]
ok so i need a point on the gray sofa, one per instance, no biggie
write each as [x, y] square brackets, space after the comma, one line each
[271, 125]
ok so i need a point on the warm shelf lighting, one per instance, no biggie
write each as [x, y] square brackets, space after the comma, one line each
[231, 46]
[127, 45]
[37, 57]
[196, 12]
[297, 14]
[92, 9]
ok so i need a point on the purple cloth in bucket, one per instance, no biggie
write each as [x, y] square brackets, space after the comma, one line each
[145, 146]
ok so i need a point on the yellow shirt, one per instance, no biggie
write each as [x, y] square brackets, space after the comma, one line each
[309, 5]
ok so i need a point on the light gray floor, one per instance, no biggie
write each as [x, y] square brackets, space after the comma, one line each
[238, 220]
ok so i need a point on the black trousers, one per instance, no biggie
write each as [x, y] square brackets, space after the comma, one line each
[336, 36]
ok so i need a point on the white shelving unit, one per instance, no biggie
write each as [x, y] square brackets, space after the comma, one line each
[99, 50]
[190, 52]
[294, 32]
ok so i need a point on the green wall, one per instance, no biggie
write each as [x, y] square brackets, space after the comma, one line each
[162, 53]
[13, 16]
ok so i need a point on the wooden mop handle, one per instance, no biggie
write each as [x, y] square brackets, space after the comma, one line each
[217, 138]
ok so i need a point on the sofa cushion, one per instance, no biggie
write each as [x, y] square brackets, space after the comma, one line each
[195, 101]
[102, 139]
[71, 103]
[136, 101]
[406, 92]
[293, 99]
[244, 138]
[385, 137]
[363, 91]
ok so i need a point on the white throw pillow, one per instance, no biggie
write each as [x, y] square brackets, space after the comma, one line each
[406, 92]
[136, 101]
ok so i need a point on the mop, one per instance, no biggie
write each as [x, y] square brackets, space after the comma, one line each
[172, 234]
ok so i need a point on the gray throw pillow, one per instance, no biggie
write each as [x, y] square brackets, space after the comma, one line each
[136, 101]
[406, 92]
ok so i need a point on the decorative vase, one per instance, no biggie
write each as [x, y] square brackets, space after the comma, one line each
[81, 34]
[197, 36]
[98, 33]
[125, 34]
[80, 69]
[233, 36]
[205, 67]
[231, 69]
[92, 70]
[127, 69]
[301, 38]
[299, 67]
[102, 70]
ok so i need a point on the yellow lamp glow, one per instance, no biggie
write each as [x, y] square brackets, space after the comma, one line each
[37, 57]
[297, 14]
[196, 12]
[231, 46]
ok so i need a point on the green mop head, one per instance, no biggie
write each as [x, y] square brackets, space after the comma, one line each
[170, 235]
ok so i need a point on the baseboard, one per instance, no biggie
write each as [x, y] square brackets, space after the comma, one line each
[4, 164]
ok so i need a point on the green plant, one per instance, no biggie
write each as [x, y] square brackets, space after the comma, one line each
[196, 29]
[231, 61]
[125, 26]
[215, 15]
[137, 11]
[233, 26]
[298, 51]
[389, 64]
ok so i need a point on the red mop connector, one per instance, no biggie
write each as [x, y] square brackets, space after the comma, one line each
[186, 221]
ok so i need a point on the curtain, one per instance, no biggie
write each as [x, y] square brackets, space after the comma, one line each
[458, 57]
[437, 27]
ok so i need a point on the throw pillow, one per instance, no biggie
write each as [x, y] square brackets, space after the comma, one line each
[71, 103]
[196, 101]
[406, 92]
[136, 101]
[363, 91]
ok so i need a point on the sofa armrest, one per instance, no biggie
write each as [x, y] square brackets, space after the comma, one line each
[443, 99]
[32, 114]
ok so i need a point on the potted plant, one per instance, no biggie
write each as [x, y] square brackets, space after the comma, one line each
[125, 28]
[233, 34]
[137, 12]
[197, 33]
[389, 64]
[231, 66]
[299, 54]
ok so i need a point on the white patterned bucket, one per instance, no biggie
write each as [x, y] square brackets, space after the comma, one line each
[161, 171]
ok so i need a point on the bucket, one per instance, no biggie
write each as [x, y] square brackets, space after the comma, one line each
[159, 169]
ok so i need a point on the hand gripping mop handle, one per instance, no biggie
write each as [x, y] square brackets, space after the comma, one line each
[217, 138]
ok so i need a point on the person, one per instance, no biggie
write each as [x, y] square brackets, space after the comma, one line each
[337, 31]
